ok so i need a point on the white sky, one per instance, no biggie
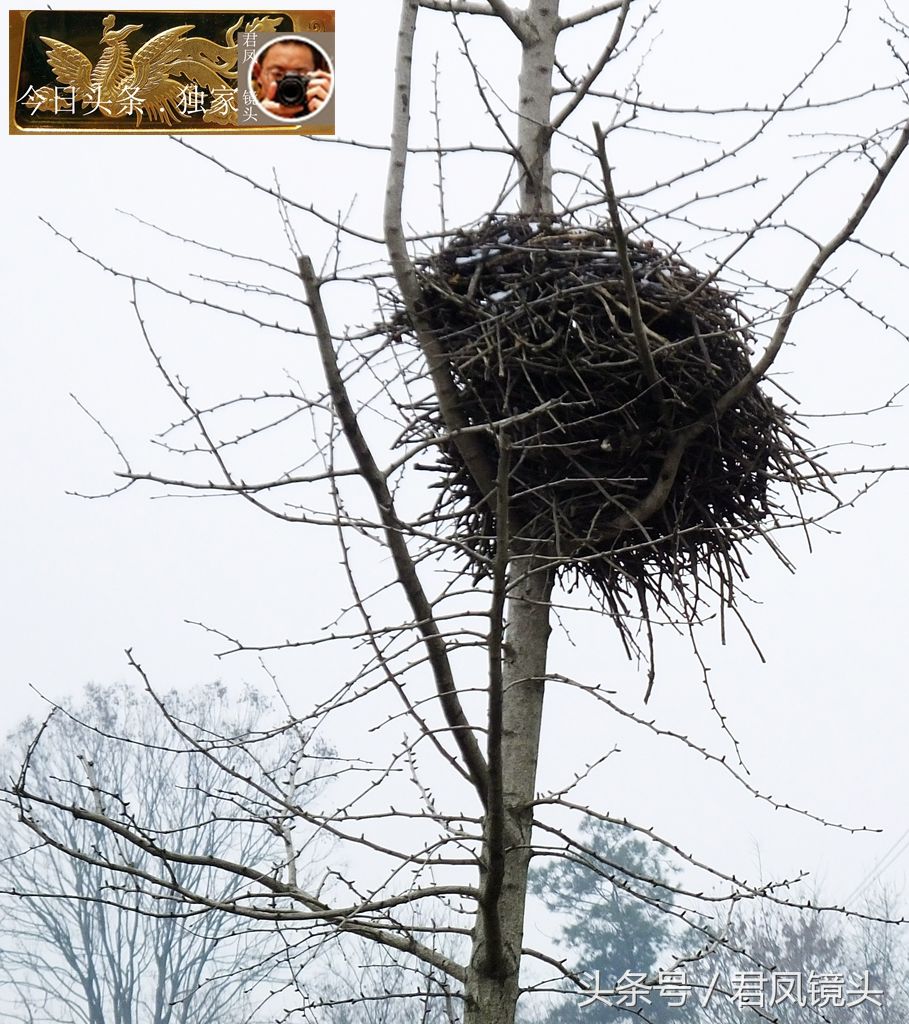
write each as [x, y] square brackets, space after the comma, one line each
[822, 724]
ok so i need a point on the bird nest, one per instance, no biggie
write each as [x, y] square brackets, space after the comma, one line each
[535, 321]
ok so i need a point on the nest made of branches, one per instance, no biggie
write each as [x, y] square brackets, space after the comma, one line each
[534, 318]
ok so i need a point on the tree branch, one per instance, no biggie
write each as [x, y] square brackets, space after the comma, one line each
[584, 16]
[511, 18]
[811, 273]
[658, 494]
[404, 565]
[468, 444]
[631, 292]
[494, 8]
[342, 917]
[587, 81]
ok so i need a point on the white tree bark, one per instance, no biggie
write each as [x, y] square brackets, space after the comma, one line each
[492, 978]
[492, 987]
[539, 30]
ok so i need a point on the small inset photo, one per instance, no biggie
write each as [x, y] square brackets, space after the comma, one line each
[291, 78]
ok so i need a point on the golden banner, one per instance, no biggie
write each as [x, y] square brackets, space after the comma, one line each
[170, 72]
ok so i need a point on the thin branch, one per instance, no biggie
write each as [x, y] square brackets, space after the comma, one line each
[658, 494]
[494, 8]
[586, 83]
[811, 273]
[512, 18]
[468, 444]
[631, 292]
[404, 565]
[584, 16]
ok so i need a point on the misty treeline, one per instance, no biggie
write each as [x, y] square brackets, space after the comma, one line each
[76, 945]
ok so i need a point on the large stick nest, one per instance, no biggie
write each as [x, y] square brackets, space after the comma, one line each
[535, 321]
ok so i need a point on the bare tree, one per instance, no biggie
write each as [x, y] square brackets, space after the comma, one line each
[792, 966]
[775, 962]
[80, 946]
[574, 369]
[882, 950]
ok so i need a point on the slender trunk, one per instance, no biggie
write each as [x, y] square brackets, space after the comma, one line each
[492, 987]
[492, 981]
[534, 101]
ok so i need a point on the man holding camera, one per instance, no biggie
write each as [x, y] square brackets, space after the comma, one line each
[292, 78]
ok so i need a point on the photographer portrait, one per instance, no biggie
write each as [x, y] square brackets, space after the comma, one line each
[291, 78]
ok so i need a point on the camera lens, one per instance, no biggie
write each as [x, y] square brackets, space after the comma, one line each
[291, 91]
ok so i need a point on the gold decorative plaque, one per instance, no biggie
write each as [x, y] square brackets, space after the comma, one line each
[171, 72]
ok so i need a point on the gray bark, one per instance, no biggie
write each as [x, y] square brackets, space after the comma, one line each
[492, 979]
[539, 29]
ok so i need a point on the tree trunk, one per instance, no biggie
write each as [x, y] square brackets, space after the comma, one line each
[540, 24]
[492, 987]
[492, 981]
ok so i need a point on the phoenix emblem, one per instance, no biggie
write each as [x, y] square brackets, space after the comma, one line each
[155, 79]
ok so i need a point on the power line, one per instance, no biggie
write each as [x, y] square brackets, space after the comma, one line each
[884, 862]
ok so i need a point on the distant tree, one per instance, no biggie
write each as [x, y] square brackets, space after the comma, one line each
[767, 950]
[80, 944]
[614, 908]
[373, 986]
[882, 950]
[765, 960]
[800, 966]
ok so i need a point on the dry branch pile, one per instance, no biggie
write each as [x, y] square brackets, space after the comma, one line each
[535, 320]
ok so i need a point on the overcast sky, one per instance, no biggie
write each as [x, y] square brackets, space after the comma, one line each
[822, 723]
